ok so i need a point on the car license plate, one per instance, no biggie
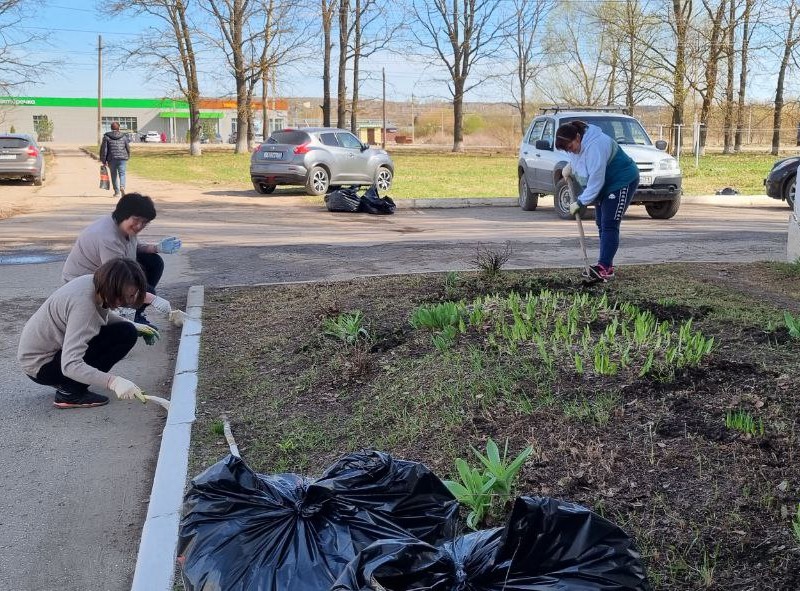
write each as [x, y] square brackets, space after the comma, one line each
[646, 179]
[273, 155]
[8, 156]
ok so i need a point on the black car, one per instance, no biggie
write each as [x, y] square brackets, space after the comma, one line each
[781, 182]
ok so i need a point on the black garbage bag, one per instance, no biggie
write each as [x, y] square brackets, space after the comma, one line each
[373, 203]
[344, 199]
[244, 531]
[546, 545]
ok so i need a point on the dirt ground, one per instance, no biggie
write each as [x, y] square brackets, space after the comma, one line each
[709, 506]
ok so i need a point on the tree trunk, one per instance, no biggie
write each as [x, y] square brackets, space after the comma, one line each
[458, 116]
[356, 59]
[728, 119]
[327, 21]
[712, 68]
[737, 141]
[776, 117]
[341, 94]
[682, 11]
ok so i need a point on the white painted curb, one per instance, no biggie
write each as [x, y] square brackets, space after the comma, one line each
[155, 563]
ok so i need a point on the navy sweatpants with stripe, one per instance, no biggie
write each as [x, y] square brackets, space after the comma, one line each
[608, 216]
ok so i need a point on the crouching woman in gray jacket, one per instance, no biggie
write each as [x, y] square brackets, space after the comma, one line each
[74, 339]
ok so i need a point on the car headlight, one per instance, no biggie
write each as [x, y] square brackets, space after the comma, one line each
[668, 164]
[784, 163]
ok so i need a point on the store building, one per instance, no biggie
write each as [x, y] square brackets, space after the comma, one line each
[74, 120]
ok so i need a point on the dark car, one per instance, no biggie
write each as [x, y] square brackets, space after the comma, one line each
[21, 158]
[781, 182]
[318, 157]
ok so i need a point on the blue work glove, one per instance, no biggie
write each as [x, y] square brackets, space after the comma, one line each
[148, 333]
[169, 245]
[576, 208]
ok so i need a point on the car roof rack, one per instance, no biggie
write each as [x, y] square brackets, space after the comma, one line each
[599, 109]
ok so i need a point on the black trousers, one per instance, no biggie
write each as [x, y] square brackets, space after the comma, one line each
[153, 266]
[105, 350]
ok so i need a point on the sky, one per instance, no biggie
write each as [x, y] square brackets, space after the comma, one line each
[74, 27]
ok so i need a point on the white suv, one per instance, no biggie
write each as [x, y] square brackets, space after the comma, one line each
[539, 166]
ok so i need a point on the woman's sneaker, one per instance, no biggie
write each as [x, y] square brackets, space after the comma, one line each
[599, 272]
[83, 400]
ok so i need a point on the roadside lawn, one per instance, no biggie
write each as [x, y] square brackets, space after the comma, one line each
[666, 400]
[438, 174]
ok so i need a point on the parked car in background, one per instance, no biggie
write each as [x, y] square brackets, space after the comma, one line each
[539, 165]
[781, 182]
[318, 157]
[21, 158]
[151, 137]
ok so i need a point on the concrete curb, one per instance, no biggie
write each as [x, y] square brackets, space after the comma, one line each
[155, 563]
[462, 202]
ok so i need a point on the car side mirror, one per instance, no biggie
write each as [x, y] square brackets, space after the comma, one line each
[661, 145]
[364, 147]
[543, 145]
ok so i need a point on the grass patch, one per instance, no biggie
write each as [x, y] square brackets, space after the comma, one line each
[430, 174]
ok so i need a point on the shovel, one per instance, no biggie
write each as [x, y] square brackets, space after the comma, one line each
[162, 402]
[574, 191]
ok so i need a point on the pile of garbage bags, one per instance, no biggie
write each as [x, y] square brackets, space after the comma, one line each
[347, 199]
[372, 522]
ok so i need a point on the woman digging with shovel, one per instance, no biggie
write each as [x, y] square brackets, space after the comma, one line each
[609, 177]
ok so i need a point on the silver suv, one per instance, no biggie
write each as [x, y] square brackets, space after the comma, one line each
[318, 157]
[539, 166]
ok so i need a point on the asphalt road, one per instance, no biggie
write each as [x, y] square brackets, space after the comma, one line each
[76, 483]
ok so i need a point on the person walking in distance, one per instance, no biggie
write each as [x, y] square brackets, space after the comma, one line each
[115, 152]
[609, 178]
[74, 339]
[116, 235]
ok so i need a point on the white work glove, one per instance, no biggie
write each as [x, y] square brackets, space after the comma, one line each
[169, 245]
[576, 207]
[126, 389]
[566, 171]
[161, 305]
[177, 317]
[148, 333]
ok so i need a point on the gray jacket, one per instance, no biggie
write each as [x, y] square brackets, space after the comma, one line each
[114, 147]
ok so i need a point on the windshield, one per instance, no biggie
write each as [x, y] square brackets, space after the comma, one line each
[621, 129]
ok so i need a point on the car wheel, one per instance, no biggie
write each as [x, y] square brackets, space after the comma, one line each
[663, 210]
[318, 180]
[383, 178]
[527, 200]
[789, 191]
[37, 181]
[562, 199]
[264, 188]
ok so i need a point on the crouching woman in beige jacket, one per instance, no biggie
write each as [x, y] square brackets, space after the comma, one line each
[74, 339]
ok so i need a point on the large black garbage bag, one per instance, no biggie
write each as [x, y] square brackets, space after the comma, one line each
[373, 203]
[345, 199]
[546, 545]
[244, 531]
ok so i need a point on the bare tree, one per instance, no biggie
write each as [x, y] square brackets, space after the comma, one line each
[730, 73]
[17, 64]
[235, 40]
[370, 32]
[523, 38]
[168, 51]
[578, 70]
[744, 52]
[791, 41]
[630, 26]
[344, 39]
[713, 41]
[460, 33]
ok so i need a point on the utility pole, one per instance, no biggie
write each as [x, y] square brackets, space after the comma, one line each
[383, 135]
[99, 88]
